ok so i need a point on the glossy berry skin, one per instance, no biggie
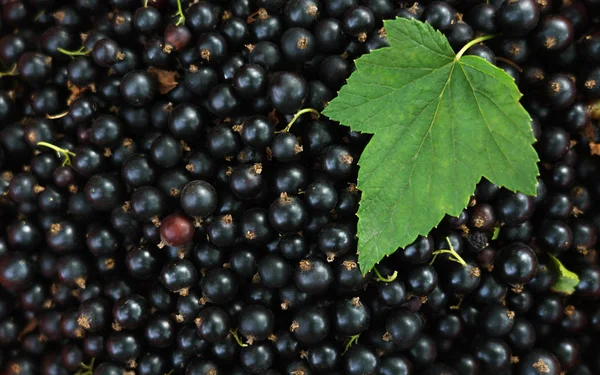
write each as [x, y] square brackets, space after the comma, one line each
[517, 263]
[223, 101]
[493, 354]
[287, 91]
[256, 323]
[313, 276]
[298, 45]
[310, 325]
[497, 320]
[223, 231]
[219, 285]
[421, 280]
[560, 91]
[285, 147]
[337, 162]
[334, 240]
[130, 312]
[103, 192]
[179, 275]
[539, 359]
[518, 18]
[94, 314]
[360, 360]
[249, 81]
[554, 33]
[439, 15]
[246, 180]
[403, 328]
[257, 132]
[212, 324]
[16, 272]
[274, 270]
[514, 208]
[198, 199]
[351, 317]
[321, 196]
[555, 235]
[258, 358]
[123, 346]
[137, 88]
[287, 214]
[176, 230]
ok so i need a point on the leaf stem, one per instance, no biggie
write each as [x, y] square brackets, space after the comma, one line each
[11, 72]
[453, 254]
[296, 116]
[80, 52]
[353, 340]
[388, 279]
[472, 43]
[61, 151]
[179, 14]
[237, 338]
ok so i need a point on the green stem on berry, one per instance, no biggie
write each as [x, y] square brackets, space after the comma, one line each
[11, 72]
[86, 369]
[353, 340]
[388, 279]
[170, 372]
[179, 14]
[146, 6]
[80, 52]
[472, 43]
[453, 254]
[237, 338]
[61, 151]
[57, 116]
[296, 116]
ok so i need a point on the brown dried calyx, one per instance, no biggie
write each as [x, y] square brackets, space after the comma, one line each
[305, 265]
[167, 80]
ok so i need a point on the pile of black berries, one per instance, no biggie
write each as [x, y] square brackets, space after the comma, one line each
[172, 202]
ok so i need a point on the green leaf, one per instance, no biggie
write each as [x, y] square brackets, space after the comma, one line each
[566, 281]
[440, 123]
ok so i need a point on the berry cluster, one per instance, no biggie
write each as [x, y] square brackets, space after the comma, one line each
[172, 202]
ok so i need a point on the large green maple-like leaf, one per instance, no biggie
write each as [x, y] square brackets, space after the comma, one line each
[440, 123]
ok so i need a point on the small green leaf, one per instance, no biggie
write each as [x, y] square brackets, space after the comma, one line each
[440, 123]
[566, 281]
[496, 233]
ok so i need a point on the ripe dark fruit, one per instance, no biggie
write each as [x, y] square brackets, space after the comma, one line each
[310, 325]
[198, 199]
[518, 18]
[176, 230]
[256, 323]
[517, 263]
[138, 88]
[287, 91]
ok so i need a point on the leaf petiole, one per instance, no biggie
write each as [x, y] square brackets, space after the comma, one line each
[80, 52]
[179, 14]
[237, 338]
[472, 43]
[296, 116]
[61, 151]
[353, 340]
[453, 254]
[388, 279]
[11, 72]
